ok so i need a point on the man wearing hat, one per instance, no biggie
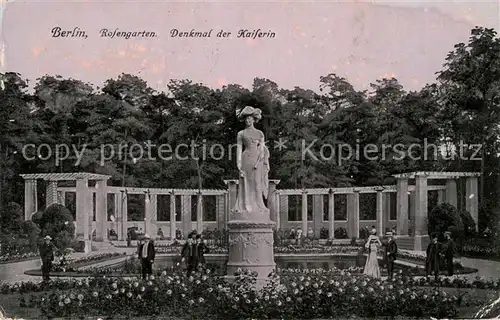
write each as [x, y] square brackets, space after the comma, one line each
[201, 249]
[449, 250]
[391, 251]
[189, 255]
[46, 250]
[432, 259]
[147, 256]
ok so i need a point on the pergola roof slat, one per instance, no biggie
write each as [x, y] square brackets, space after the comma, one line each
[68, 176]
[436, 174]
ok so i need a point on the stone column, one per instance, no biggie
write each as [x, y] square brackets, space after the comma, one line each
[380, 213]
[124, 213]
[148, 215]
[30, 198]
[118, 217]
[277, 206]
[451, 192]
[317, 213]
[421, 200]
[353, 214]
[154, 215]
[83, 213]
[51, 193]
[101, 210]
[472, 198]
[221, 211]
[411, 211]
[271, 200]
[387, 210]
[402, 206]
[173, 222]
[227, 210]
[199, 214]
[283, 211]
[187, 225]
[440, 196]
[331, 214]
[304, 212]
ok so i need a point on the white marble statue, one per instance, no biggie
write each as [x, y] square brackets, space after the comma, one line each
[252, 159]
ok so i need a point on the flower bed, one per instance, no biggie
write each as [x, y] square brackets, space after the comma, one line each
[290, 249]
[10, 258]
[317, 249]
[481, 248]
[74, 265]
[176, 249]
[205, 296]
[408, 278]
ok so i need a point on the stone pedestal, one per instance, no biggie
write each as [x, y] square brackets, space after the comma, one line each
[251, 247]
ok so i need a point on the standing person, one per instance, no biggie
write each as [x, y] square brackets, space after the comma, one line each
[147, 254]
[46, 250]
[129, 238]
[371, 266]
[449, 250]
[201, 249]
[391, 251]
[292, 234]
[298, 237]
[189, 255]
[432, 257]
[139, 245]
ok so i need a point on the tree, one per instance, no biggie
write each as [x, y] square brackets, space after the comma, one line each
[470, 91]
[11, 218]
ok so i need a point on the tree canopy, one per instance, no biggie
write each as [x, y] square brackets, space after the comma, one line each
[198, 125]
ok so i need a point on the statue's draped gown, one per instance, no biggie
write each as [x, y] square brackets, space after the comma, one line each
[253, 187]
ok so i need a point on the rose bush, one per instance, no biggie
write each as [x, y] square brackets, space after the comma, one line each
[11, 257]
[288, 295]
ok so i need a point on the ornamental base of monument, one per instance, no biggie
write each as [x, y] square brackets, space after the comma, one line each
[251, 247]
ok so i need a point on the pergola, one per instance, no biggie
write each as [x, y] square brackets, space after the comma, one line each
[420, 198]
[83, 200]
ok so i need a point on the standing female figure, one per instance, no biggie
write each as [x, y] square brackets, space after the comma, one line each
[371, 266]
[252, 159]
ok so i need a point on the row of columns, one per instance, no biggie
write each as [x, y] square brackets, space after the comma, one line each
[412, 208]
[353, 217]
[415, 207]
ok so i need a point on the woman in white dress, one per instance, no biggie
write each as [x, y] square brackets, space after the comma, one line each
[371, 266]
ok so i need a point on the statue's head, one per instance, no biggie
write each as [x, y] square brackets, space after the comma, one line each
[250, 115]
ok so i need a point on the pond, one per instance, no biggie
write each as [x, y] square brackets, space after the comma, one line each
[218, 263]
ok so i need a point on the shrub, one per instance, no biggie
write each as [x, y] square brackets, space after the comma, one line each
[489, 215]
[444, 217]
[323, 233]
[340, 233]
[469, 225]
[57, 222]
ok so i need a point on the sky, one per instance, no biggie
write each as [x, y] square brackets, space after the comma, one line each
[360, 40]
